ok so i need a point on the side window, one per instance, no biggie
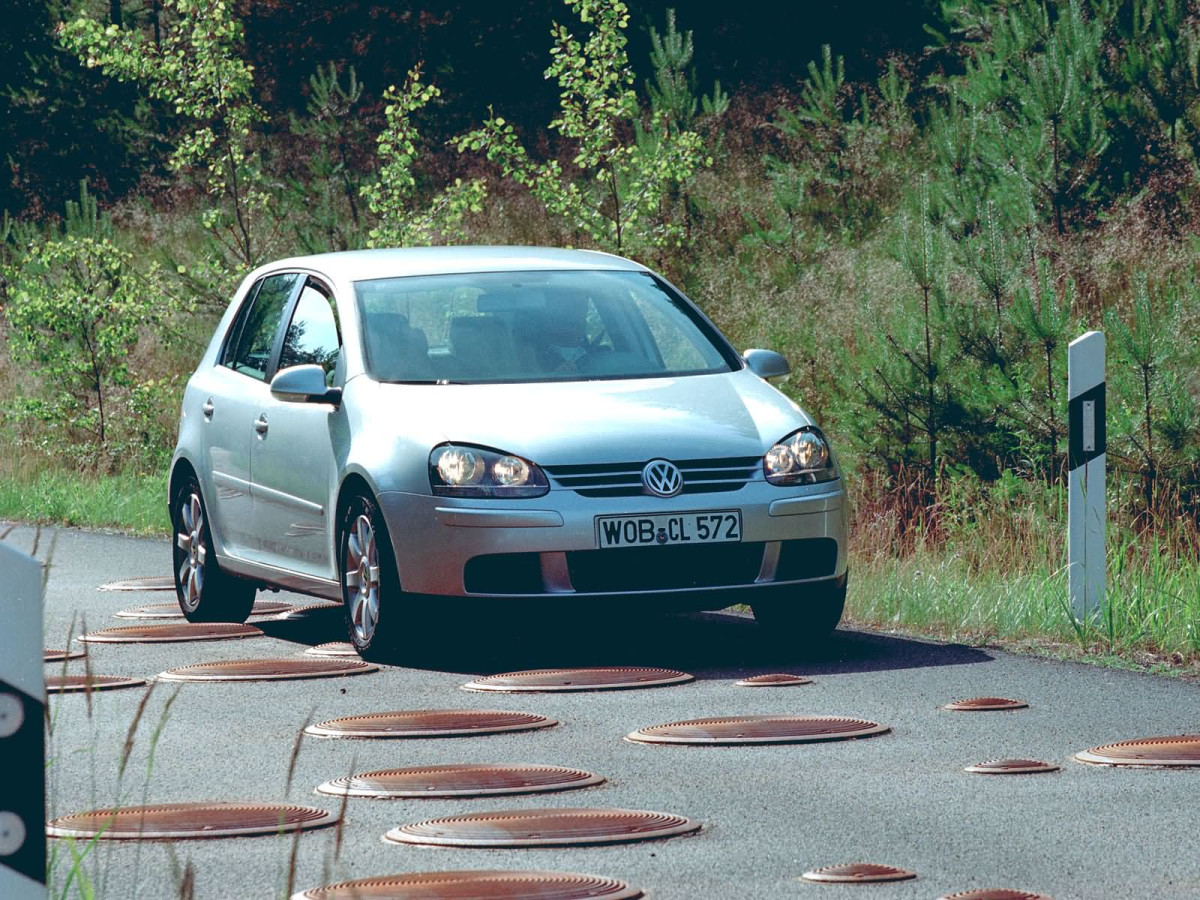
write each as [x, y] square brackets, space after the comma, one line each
[312, 337]
[250, 350]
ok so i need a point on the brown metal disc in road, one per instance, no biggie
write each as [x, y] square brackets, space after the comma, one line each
[459, 781]
[994, 894]
[1181, 750]
[476, 885]
[343, 649]
[52, 656]
[151, 611]
[172, 610]
[543, 828]
[781, 679]
[180, 821]
[286, 669]
[985, 704]
[301, 612]
[1011, 767]
[164, 634]
[141, 583]
[80, 684]
[758, 730]
[428, 723]
[858, 873]
[597, 679]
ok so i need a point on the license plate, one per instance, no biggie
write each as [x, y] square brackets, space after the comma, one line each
[712, 527]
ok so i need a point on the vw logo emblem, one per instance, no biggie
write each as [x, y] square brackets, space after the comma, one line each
[662, 478]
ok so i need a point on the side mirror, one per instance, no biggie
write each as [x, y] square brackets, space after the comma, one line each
[766, 363]
[304, 384]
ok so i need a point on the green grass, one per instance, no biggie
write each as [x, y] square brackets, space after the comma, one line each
[983, 591]
[132, 503]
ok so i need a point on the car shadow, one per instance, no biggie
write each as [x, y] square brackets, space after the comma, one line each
[712, 645]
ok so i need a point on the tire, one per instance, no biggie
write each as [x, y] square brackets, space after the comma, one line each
[806, 618]
[204, 591]
[373, 616]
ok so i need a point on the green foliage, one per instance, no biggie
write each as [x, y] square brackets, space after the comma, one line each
[323, 207]
[788, 233]
[78, 308]
[962, 185]
[1159, 64]
[391, 198]
[841, 177]
[673, 92]
[1060, 138]
[1155, 410]
[1036, 83]
[616, 189]
[910, 387]
[195, 69]
[1035, 369]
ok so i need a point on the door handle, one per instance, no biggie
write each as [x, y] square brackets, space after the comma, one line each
[207, 408]
[260, 424]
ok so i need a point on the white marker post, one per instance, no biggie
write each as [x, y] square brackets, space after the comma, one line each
[1086, 563]
[22, 723]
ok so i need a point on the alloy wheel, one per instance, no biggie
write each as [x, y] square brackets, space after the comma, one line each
[362, 579]
[190, 542]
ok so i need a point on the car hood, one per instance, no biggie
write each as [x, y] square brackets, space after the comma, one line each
[566, 423]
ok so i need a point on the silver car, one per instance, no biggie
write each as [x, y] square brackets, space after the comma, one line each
[405, 430]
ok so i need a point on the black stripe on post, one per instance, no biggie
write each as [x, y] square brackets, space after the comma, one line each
[23, 750]
[1076, 455]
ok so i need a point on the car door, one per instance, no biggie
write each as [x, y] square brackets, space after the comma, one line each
[233, 393]
[293, 470]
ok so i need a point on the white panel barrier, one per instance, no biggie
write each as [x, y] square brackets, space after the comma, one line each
[22, 729]
[1086, 432]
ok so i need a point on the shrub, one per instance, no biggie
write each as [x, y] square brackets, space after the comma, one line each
[76, 311]
[400, 222]
[615, 194]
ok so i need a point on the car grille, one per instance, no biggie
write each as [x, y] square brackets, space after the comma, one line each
[700, 476]
[664, 568]
[634, 569]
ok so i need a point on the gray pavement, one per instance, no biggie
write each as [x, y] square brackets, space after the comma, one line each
[768, 812]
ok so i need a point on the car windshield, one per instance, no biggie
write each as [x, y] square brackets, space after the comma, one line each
[533, 326]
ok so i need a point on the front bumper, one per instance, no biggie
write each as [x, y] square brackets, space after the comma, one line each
[547, 547]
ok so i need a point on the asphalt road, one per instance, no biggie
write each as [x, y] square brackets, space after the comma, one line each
[768, 812]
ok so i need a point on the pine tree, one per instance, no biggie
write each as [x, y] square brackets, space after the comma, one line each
[1155, 410]
[673, 91]
[324, 206]
[915, 388]
[1036, 82]
[1044, 321]
[1159, 63]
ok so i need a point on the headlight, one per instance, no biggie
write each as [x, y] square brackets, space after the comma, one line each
[802, 457]
[456, 470]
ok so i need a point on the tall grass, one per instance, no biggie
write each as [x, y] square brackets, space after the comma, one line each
[136, 503]
[992, 567]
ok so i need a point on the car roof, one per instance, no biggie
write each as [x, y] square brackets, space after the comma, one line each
[365, 265]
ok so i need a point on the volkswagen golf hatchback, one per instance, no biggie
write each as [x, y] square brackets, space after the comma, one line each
[405, 430]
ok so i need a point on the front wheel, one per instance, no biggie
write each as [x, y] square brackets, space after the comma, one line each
[808, 617]
[370, 585]
[205, 592]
